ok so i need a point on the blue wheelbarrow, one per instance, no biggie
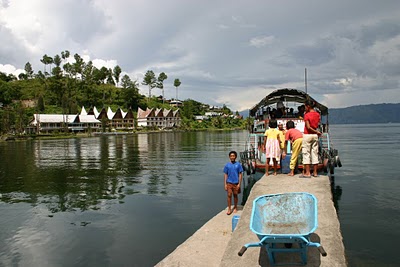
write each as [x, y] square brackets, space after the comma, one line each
[282, 220]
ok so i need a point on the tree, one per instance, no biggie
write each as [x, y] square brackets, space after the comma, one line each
[46, 60]
[64, 56]
[130, 92]
[117, 72]
[78, 65]
[28, 70]
[177, 83]
[126, 81]
[22, 76]
[67, 67]
[40, 105]
[191, 108]
[99, 75]
[57, 72]
[150, 80]
[160, 82]
[226, 110]
[87, 73]
[110, 79]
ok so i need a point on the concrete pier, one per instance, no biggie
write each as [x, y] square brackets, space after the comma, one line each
[215, 245]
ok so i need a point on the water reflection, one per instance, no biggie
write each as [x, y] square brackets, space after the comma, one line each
[336, 195]
[80, 174]
[70, 174]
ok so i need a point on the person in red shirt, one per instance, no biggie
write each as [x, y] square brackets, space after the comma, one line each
[310, 139]
[296, 138]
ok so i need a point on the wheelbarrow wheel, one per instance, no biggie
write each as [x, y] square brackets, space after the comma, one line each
[288, 245]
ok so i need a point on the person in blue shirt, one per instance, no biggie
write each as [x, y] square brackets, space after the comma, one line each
[233, 174]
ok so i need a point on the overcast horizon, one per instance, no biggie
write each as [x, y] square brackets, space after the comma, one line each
[223, 52]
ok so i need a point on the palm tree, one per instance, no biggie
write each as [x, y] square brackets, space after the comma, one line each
[46, 60]
[177, 83]
[160, 82]
[65, 55]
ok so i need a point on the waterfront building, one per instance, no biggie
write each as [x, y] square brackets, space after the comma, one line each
[92, 121]
[160, 118]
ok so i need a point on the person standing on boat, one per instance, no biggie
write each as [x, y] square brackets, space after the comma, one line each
[282, 133]
[296, 139]
[280, 108]
[310, 139]
[272, 146]
[233, 174]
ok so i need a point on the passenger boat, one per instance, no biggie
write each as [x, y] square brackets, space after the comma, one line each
[253, 157]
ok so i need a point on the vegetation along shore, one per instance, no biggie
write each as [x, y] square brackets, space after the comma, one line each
[65, 85]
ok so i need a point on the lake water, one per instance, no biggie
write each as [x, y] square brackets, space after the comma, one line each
[131, 200]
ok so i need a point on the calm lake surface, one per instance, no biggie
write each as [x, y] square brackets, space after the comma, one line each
[131, 200]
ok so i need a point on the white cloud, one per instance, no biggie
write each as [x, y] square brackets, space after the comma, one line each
[261, 41]
[10, 69]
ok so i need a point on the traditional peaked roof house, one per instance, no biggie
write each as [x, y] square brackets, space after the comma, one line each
[118, 119]
[129, 119]
[85, 121]
[83, 111]
[93, 111]
[161, 118]
[60, 122]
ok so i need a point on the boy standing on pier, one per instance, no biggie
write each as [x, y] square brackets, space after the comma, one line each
[233, 174]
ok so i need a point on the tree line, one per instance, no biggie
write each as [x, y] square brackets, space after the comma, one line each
[65, 85]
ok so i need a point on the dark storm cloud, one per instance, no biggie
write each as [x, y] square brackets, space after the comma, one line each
[4, 3]
[315, 54]
[368, 35]
[81, 21]
[11, 50]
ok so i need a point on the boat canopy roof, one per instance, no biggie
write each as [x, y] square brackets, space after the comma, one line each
[290, 95]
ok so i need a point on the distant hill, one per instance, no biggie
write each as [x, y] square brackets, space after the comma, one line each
[372, 113]
[244, 113]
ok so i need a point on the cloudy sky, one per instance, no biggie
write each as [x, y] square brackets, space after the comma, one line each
[223, 51]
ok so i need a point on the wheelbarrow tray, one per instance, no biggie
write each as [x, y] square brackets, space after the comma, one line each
[288, 218]
[283, 215]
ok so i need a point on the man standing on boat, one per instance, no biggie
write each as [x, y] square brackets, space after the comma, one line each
[310, 139]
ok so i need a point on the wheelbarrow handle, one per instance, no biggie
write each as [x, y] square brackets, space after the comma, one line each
[242, 251]
[322, 251]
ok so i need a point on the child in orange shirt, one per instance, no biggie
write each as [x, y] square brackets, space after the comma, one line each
[296, 138]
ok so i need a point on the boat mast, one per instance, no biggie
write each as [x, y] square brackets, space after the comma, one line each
[305, 79]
